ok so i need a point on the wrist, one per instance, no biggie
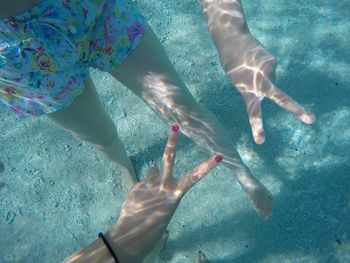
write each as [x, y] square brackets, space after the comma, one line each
[95, 252]
[115, 239]
[235, 50]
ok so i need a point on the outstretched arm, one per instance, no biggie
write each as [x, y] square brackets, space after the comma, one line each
[147, 211]
[248, 64]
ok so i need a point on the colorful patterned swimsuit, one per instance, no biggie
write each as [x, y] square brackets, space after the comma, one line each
[45, 52]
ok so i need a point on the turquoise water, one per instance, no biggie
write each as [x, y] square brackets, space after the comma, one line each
[57, 193]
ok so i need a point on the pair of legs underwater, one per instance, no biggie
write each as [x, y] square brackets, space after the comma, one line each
[149, 73]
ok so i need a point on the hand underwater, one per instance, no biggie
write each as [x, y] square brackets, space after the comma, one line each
[249, 65]
[151, 204]
[253, 76]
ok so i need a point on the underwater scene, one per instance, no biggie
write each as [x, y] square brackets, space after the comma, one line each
[58, 192]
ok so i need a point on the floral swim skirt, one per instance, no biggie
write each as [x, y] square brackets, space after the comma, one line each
[46, 52]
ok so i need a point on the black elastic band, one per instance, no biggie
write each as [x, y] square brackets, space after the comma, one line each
[108, 246]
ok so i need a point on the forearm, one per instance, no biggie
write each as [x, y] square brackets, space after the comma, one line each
[97, 252]
[228, 13]
[228, 28]
[93, 253]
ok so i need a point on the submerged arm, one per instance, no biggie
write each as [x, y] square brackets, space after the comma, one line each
[227, 24]
[146, 212]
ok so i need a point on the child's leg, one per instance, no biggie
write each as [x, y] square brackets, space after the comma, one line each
[86, 120]
[149, 73]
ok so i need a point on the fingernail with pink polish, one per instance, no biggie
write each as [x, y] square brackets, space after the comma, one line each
[218, 158]
[175, 128]
[261, 134]
[260, 137]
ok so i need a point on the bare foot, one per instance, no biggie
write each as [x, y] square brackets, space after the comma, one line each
[202, 258]
[258, 194]
[152, 257]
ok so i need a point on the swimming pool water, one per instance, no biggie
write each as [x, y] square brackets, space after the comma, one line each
[57, 193]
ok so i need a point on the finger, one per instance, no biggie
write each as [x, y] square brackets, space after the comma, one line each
[255, 119]
[195, 175]
[169, 155]
[287, 103]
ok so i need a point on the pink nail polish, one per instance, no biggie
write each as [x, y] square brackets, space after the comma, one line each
[260, 137]
[261, 134]
[175, 128]
[218, 158]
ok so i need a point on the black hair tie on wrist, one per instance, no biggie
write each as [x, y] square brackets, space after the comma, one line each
[100, 235]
